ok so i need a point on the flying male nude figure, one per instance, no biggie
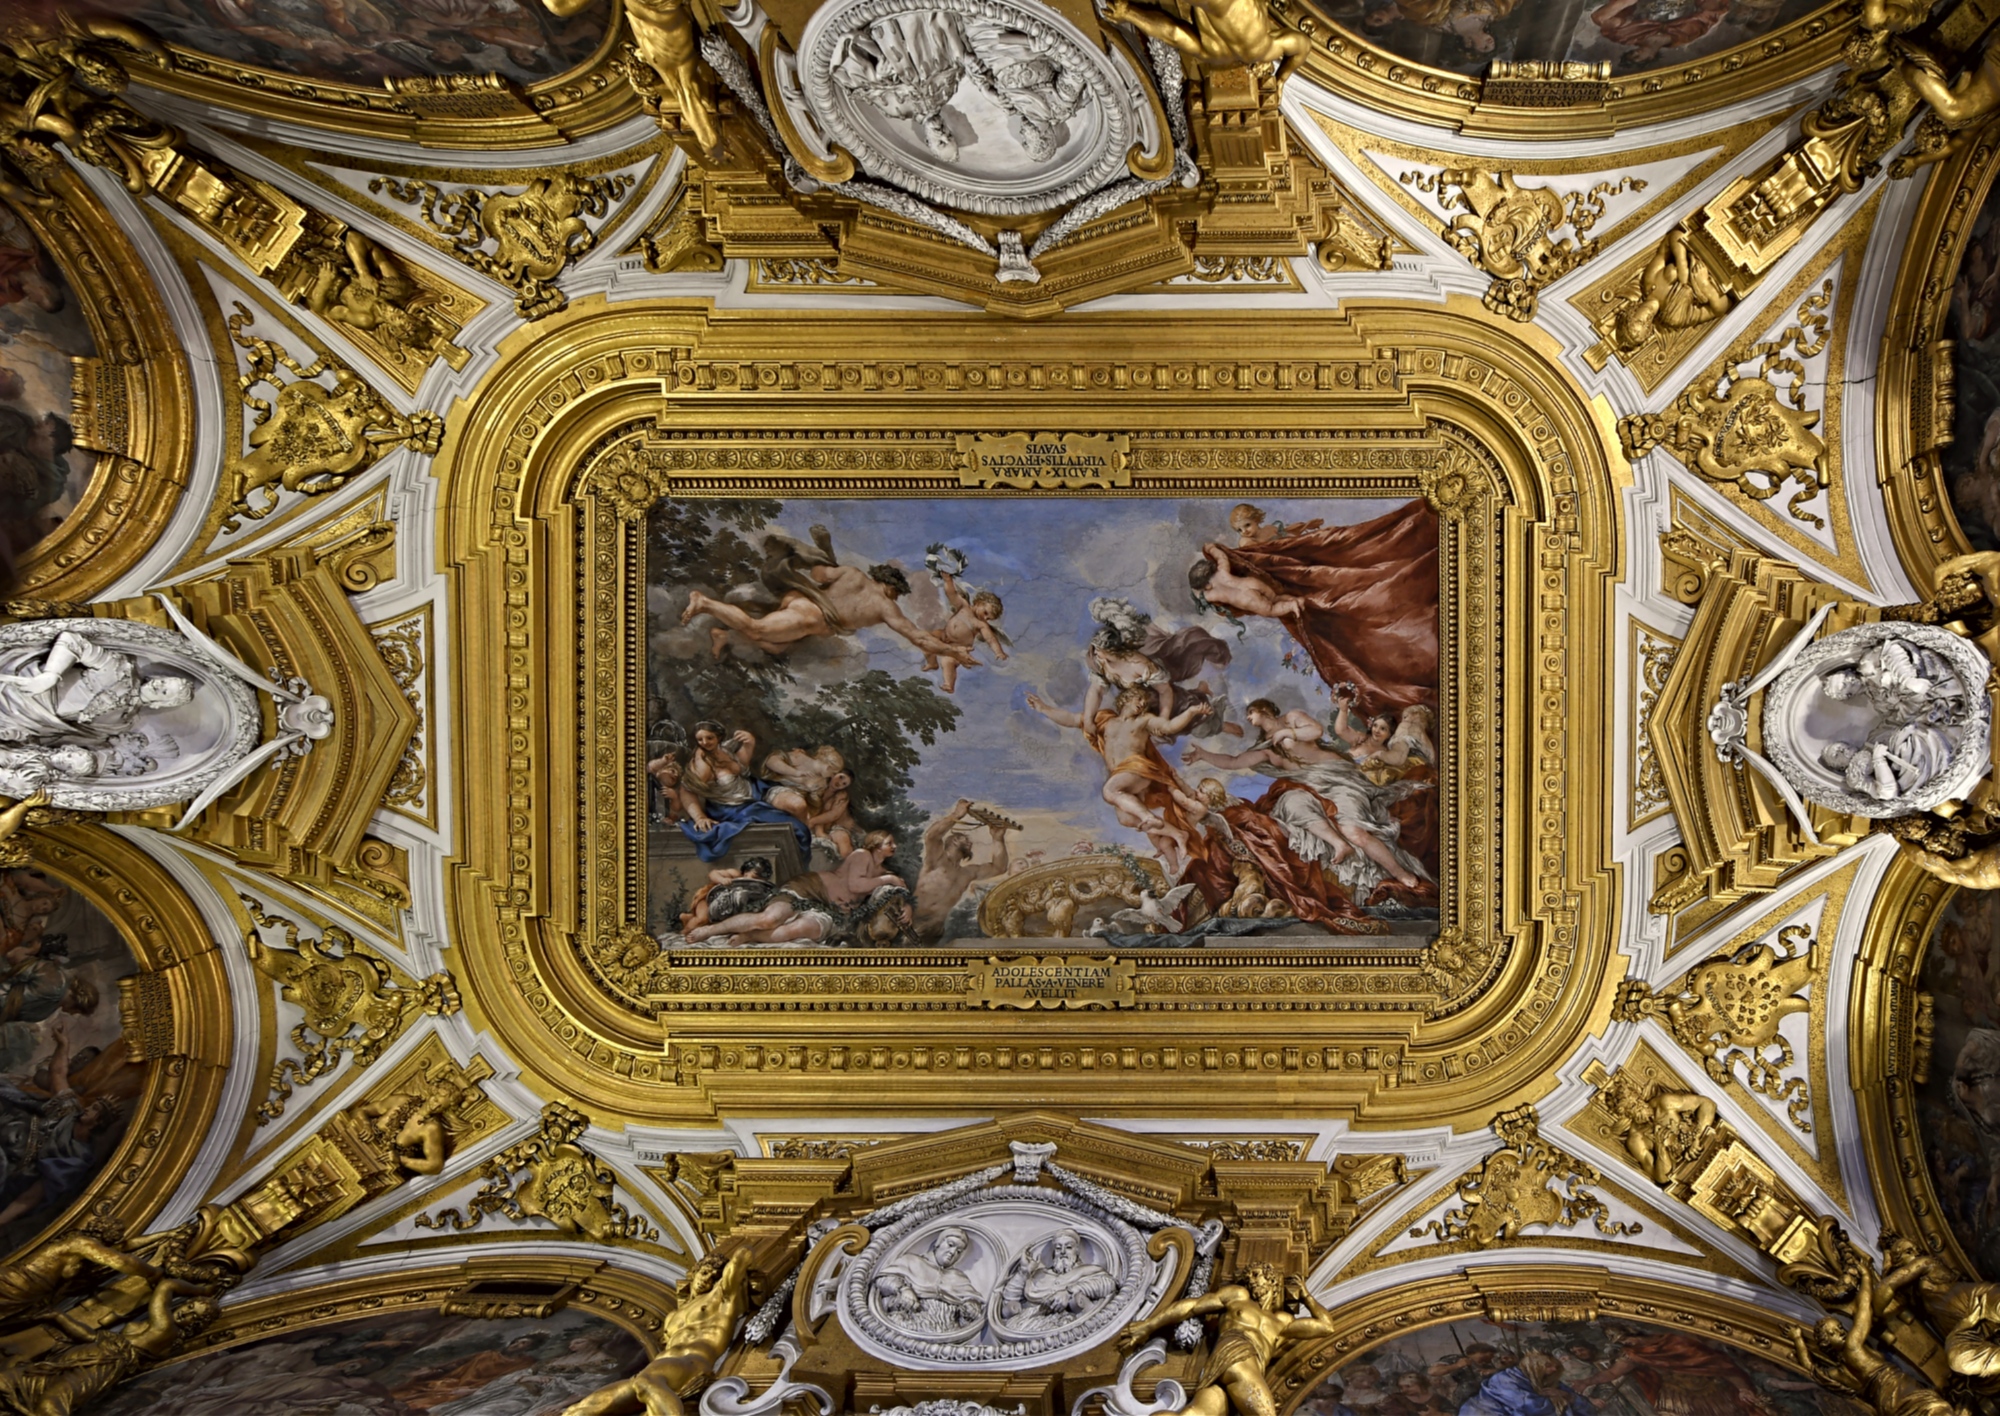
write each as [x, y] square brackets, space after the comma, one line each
[1133, 765]
[818, 597]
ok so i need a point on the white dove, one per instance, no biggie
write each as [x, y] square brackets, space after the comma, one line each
[1155, 914]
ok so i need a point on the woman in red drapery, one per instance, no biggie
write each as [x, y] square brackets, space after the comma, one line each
[1362, 599]
[1649, 27]
[1682, 1376]
[1236, 831]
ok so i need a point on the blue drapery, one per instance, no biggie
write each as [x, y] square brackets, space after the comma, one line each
[713, 844]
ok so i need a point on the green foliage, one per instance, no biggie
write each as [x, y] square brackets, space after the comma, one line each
[877, 721]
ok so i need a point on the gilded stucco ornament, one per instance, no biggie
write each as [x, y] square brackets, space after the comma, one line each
[1728, 1010]
[1529, 1182]
[65, 88]
[355, 1004]
[563, 1184]
[310, 438]
[522, 239]
[1255, 1324]
[1513, 233]
[985, 141]
[1735, 426]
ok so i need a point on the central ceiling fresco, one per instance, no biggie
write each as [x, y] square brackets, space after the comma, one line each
[999, 708]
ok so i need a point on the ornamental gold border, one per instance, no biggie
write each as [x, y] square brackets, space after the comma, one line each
[183, 1090]
[588, 99]
[632, 1301]
[136, 393]
[1883, 1038]
[594, 96]
[1916, 404]
[922, 461]
[1548, 1292]
[1351, 67]
[543, 589]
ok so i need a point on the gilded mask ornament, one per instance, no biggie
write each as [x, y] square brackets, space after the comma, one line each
[533, 234]
[564, 1184]
[353, 1001]
[309, 438]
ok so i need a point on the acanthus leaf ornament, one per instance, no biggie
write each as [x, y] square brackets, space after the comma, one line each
[310, 438]
[1512, 232]
[563, 1184]
[1727, 1011]
[1529, 1182]
[522, 239]
[354, 1002]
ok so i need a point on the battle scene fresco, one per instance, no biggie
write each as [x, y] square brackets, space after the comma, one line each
[1605, 1368]
[423, 1362]
[42, 327]
[1972, 461]
[67, 1084]
[1132, 718]
[1633, 35]
[1959, 1105]
[363, 42]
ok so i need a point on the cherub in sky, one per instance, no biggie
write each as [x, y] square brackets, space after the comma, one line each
[1215, 580]
[1248, 523]
[973, 617]
[1138, 785]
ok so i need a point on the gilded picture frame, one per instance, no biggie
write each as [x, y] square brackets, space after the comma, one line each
[548, 487]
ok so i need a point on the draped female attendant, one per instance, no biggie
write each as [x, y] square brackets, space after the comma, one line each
[722, 798]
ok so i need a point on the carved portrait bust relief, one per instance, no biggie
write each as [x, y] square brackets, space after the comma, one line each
[1882, 719]
[994, 106]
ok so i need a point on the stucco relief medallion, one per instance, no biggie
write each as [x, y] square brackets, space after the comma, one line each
[1882, 719]
[994, 106]
[1019, 1277]
[107, 715]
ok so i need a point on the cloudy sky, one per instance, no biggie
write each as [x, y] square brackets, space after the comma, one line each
[1048, 559]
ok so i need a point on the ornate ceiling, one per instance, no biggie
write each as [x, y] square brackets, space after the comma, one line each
[1054, 707]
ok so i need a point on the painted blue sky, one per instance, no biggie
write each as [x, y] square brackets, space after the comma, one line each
[1048, 559]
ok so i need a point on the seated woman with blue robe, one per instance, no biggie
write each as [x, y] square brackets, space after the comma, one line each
[723, 798]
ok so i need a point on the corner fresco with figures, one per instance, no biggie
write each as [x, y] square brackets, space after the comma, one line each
[1601, 1368]
[67, 1083]
[869, 721]
[394, 1364]
[1630, 35]
[42, 328]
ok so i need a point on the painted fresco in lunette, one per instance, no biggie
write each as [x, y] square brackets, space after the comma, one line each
[1605, 1368]
[363, 42]
[896, 722]
[412, 1364]
[43, 475]
[68, 1086]
[1465, 36]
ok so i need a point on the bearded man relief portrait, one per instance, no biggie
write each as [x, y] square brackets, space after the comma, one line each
[907, 722]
